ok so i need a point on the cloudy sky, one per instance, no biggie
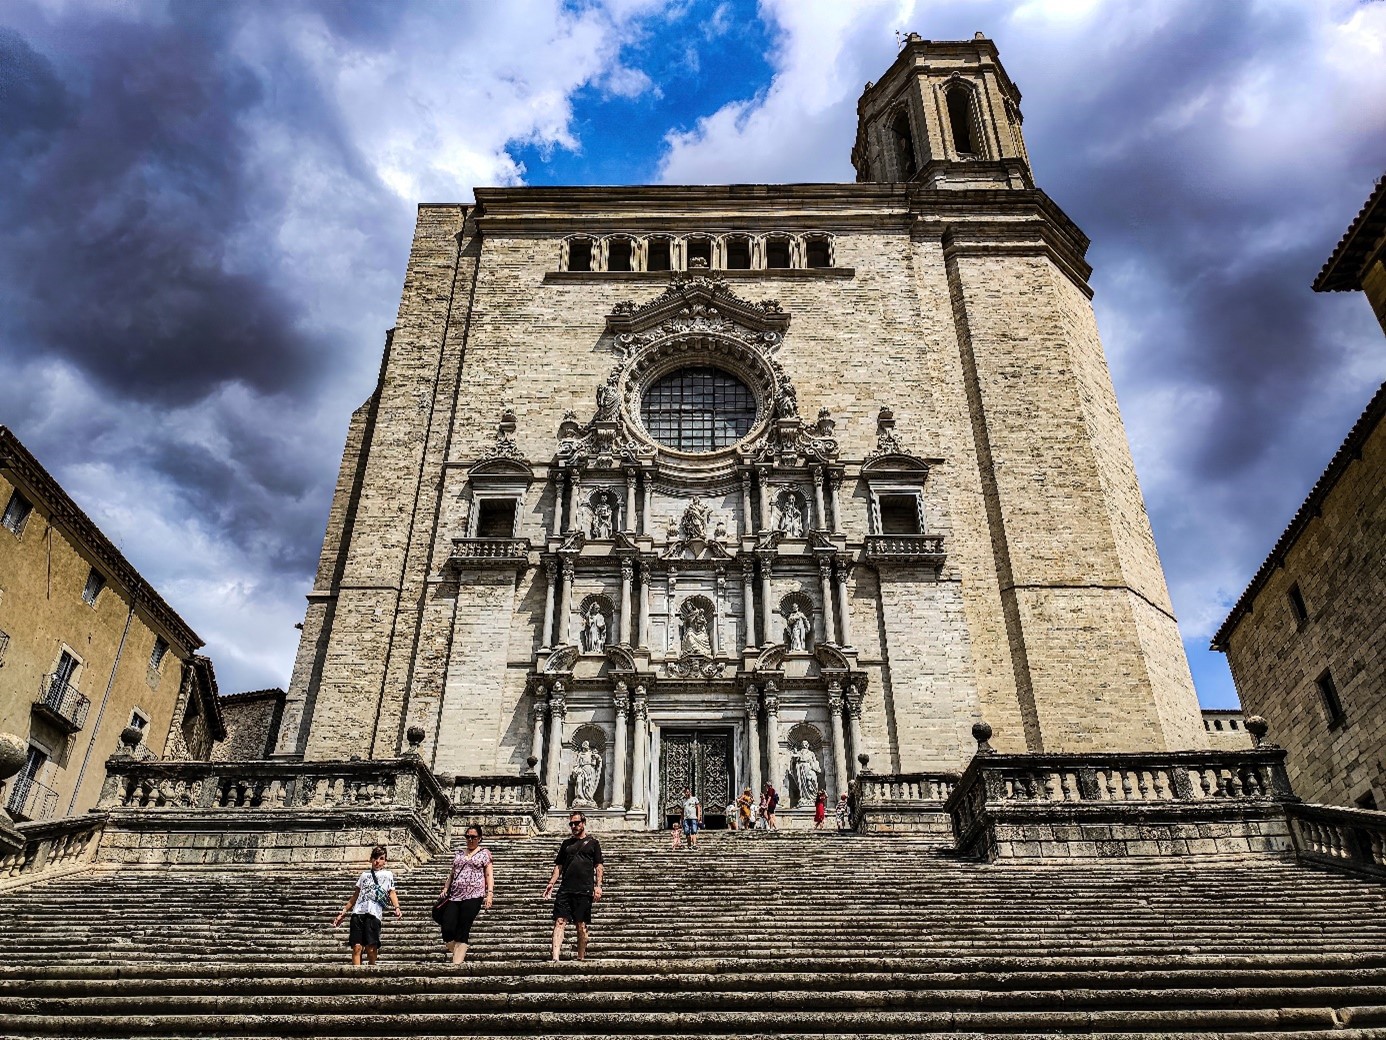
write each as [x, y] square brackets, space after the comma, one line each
[207, 209]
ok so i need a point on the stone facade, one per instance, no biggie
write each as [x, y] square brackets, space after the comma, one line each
[1226, 729]
[252, 725]
[1307, 640]
[924, 512]
[87, 648]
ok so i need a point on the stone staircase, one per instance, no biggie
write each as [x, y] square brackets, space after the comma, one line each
[750, 935]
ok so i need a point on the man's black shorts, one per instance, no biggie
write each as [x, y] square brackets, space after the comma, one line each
[573, 906]
[365, 930]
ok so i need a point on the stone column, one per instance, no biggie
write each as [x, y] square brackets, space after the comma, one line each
[558, 710]
[748, 600]
[753, 738]
[843, 569]
[629, 525]
[767, 628]
[671, 584]
[821, 514]
[551, 571]
[573, 482]
[538, 713]
[835, 722]
[621, 699]
[763, 485]
[835, 501]
[772, 733]
[856, 692]
[825, 581]
[649, 505]
[645, 604]
[747, 521]
[627, 573]
[565, 604]
[639, 779]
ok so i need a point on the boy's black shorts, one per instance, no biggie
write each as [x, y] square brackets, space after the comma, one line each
[573, 906]
[365, 930]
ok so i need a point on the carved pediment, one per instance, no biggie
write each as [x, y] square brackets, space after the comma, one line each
[771, 658]
[830, 658]
[692, 300]
[621, 658]
[562, 659]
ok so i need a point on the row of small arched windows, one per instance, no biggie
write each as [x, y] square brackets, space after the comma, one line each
[730, 252]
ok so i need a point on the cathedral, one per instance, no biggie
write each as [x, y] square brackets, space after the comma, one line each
[720, 486]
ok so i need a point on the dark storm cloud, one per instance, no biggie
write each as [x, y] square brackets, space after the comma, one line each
[126, 187]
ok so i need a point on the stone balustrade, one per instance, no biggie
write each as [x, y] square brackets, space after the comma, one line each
[926, 549]
[490, 552]
[500, 804]
[1348, 839]
[52, 848]
[888, 803]
[1176, 803]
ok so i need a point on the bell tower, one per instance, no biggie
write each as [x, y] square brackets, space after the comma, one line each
[945, 115]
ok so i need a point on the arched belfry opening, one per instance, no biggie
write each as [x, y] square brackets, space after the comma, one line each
[961, 123]
[903, 140]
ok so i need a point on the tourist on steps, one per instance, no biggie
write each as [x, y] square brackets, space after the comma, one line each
[744, 806]
[843, 812]
[771, 802]
[692, 817]
[579, 864]
[820, 809]
[468, 891]
[367, 906]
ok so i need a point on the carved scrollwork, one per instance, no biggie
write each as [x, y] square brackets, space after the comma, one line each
[562, 659]
[695, 666]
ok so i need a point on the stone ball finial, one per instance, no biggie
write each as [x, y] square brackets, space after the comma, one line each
[415, 736]
[530, 763]
[130, 737]
[14, 752]
[865, 761]
[1258, 728]
[981, 733]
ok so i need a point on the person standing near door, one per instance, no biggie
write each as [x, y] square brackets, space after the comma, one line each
[692, 817]
[579, 864]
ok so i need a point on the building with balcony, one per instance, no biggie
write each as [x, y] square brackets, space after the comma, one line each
[87, 649]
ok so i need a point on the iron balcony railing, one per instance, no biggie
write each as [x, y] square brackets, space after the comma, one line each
[62, 703]
[31, 800]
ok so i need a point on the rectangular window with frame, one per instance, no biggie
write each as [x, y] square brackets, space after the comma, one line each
[738, 253]
[495, 518]
[139, 720]
[816, 252]
[580, 255]
[17, 512]
[700, 249]
[776, 253]
[657, 255]
[899, 514]
[157, 655]
[1332, 705]
[619, 252]
[1297, 606]
[95, 583]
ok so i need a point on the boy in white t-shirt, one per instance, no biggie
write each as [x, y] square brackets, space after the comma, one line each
[367, 906]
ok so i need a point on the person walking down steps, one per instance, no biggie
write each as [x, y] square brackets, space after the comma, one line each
[467, 892]
[374, 888]
[579, 865]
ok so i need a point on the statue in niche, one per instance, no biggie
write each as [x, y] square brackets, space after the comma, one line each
[607, 399]
[587, 774]
[796, 629]
[603, 516]
[695, 518]
[719, 533]
[804, 768]
[594, 630]
[791, 516]
[695, 638]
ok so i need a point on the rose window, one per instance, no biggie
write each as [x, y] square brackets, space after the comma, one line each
[698, 409]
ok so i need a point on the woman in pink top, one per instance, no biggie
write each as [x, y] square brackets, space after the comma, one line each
[468, 891]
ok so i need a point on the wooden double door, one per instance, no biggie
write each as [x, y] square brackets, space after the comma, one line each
[700, 760]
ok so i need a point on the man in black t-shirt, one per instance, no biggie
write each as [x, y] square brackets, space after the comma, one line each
[579, 864]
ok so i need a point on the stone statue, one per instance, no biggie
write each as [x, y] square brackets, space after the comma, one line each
[672, 531]
[587, 774]
[594, 630]
[602, 517]
[695, 517]
[696, 637]
[797, 629]
[804, 766]
[786, 402]
[607, 398]
[791, 517]
[719, 533]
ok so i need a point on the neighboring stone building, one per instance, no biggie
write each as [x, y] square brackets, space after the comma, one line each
[724, 485]
[1306, 641]
[252, 725]
[1359, 262]
[88, 648]
[1226, 729]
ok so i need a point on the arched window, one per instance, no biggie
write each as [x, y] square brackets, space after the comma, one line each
[903, 139]
[580, 254]
[960, 122]
[698, 409]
